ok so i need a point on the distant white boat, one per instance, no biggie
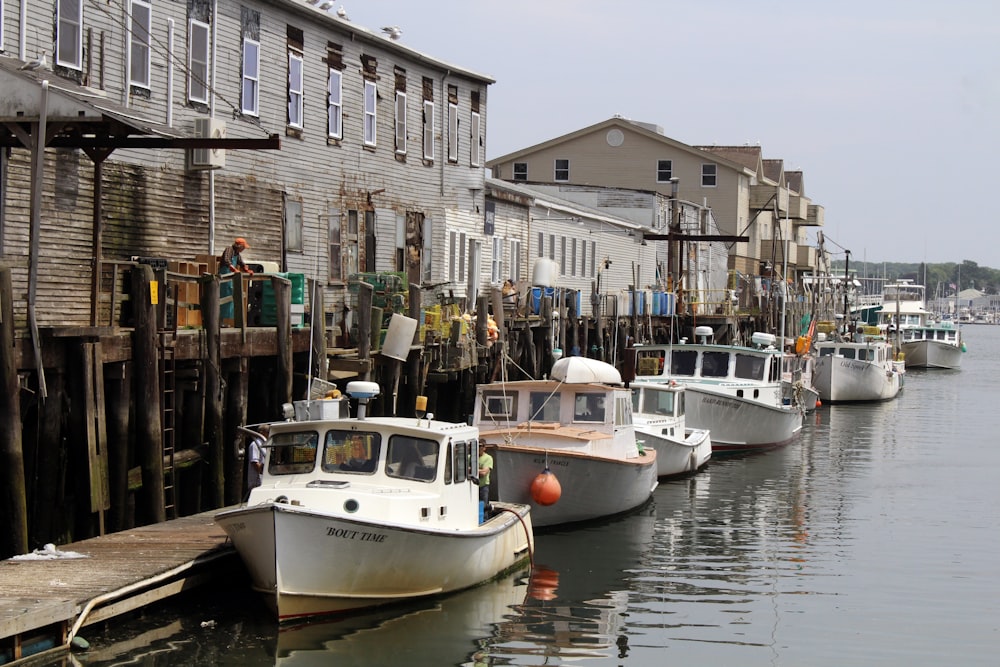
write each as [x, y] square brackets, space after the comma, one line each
[925, 343]
[354, 513]
[857, 371]
[734, 392]
[658, 415]
[577, 426]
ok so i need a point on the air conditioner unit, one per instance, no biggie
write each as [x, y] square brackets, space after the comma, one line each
[208, 158]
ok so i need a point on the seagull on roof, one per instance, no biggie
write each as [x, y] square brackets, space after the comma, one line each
[38, 63]
[342, 13]
[393, 32]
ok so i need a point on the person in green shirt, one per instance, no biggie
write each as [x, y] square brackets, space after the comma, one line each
[485, 467]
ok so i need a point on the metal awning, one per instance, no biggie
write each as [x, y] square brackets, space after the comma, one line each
[77, 116]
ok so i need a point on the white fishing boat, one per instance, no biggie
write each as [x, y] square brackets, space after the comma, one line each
[924, 341]
[658, 415]
[734, 392]
[358, 512]
[565, 445]
[863, 369]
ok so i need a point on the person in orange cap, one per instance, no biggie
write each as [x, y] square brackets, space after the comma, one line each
[231, 262]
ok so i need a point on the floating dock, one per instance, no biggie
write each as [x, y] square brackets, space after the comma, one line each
[45, 602]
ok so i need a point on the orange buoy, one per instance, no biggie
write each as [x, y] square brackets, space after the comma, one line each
[545, 488]
[819, 403]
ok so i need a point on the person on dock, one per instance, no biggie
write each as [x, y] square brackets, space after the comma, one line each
[255, 457]
[231, 262]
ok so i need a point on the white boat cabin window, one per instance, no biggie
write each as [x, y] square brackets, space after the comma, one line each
[750, 367]
[682, 362]
[715, 364]
[292, 453]
[412, 458]
[589, 407]
[498, 405]
[623, 410]
[544, 406]
[653, 402]
[351, 451]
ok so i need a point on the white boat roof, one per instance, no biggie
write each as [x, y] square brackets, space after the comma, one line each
[581, 370]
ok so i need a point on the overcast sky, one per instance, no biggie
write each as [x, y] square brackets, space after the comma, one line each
[891, 108]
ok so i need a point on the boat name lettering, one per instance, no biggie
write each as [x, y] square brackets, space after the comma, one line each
[551, 464]
[721, 401]
[355, 535]
[853, 365]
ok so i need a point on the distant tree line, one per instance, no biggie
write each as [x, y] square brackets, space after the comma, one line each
[966, 275]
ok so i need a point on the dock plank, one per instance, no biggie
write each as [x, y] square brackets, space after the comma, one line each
[117, 567]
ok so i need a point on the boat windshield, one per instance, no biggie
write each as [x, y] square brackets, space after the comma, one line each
[412, 458]
[653, 402]
[292, 453]
[682, 362]
[750, 367]
[545, 406]
[351, 451]
[715, 364]
[589, 407]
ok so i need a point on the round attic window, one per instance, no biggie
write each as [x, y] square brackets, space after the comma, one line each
[615, 137]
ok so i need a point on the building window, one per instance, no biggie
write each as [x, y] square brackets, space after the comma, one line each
[572, 257]
[520, 171]
[583, 258]
[197, 62]
[664, 171]
[515, 259]
[138, 40]
[552, 247]
[250, 103]
[69, 33]
[295, 89]
[400, 122]
[335, 107]
[541, 245]
[562, 255]
[370, 127]
[350, 237]
[428, 130]
[708, 175]
[475, 138]
[496, 272]
[456, 256]
[593, 258]
[336, 274]
[452, 132]
[562, 170]
[293, 224]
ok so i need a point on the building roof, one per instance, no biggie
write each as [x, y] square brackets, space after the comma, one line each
[648, 130]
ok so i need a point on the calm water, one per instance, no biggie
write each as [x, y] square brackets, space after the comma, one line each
[874, 540]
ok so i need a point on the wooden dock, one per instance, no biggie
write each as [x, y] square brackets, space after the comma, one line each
[44, 603]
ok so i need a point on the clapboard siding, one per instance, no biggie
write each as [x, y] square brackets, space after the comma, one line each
[153, 207]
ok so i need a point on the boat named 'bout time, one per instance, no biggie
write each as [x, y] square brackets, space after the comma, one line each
[358, 512]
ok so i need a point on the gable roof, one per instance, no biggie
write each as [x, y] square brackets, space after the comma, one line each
[647, 130]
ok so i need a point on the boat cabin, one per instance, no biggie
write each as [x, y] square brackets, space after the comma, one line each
[384, 465]
[709, 363]
[878, 354]
[943, 332]
[655, 403]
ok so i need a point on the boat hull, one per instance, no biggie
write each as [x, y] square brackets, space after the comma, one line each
[592, 487]
[932, 354]
[739, 424]
[674, 456]
[842, 380]
[311, 563]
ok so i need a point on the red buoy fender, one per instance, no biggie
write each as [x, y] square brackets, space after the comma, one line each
[545, 488]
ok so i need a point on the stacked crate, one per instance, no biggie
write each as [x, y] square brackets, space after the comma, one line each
[269, 307]
[390, 294]
[186, 291]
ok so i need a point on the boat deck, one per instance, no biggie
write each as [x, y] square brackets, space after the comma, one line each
[44, 602]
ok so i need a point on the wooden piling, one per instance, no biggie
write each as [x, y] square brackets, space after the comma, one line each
[116, 396]
[13, 499]
[283, 302]
[149, 429]
[211, 353]
[363, 315]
